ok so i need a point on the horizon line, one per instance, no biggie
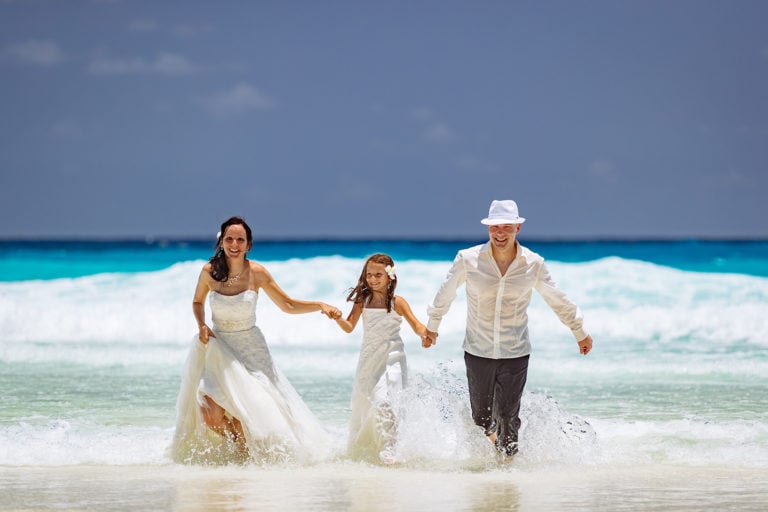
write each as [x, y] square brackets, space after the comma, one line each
[152, 239]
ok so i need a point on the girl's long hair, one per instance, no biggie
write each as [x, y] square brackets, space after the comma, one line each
[219, 267]
[361, 293]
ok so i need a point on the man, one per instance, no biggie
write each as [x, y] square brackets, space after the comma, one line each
[500, 276]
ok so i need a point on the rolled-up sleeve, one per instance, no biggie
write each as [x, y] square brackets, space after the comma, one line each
[568, 312]
[447, 292]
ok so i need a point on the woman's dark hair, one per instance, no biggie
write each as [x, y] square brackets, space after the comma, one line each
[361, 293]
[219, 267]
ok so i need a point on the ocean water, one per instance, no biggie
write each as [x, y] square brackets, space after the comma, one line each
[668, 412]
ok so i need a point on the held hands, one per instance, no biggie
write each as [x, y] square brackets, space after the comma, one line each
[330, 311]
[428, 339]
[585, 345]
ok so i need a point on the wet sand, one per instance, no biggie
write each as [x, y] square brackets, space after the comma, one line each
[351, 486]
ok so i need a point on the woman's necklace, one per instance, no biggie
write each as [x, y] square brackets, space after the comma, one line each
[234, 278]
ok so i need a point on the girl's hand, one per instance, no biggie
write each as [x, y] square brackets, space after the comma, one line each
[205, 333]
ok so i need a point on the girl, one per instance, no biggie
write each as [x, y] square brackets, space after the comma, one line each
[381, 368]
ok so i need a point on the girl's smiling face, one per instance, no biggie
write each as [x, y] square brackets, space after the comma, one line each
[376, 277]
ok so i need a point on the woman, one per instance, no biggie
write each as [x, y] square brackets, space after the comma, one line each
[234, 404]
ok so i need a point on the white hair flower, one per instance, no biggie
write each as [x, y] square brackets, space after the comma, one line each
[218, 235]
[390, 270]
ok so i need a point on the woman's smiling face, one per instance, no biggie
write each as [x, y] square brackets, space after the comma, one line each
[235, 241]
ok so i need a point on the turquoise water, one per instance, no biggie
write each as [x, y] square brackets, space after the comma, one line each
[94, 335]
[27, 260]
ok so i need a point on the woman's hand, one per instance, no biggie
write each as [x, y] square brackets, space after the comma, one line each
[205, 333]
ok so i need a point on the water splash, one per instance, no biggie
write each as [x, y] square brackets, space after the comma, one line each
[438, 427]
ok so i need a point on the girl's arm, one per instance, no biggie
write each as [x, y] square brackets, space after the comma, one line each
[404, 310]
[349, 324]
[286, 303]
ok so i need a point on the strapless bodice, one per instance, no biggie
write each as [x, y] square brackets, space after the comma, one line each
[232, 313]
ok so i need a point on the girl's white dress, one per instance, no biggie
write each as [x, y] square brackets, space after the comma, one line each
[236, 370]
[381, 376]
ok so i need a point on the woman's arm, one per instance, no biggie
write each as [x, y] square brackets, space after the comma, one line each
[198, 303]
[288, 304]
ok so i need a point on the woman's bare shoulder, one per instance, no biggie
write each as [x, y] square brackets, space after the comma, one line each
[257, 267]
[205, 272]
[259, 273]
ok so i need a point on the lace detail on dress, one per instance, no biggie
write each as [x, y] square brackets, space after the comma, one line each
[232, 313]
[234, 320]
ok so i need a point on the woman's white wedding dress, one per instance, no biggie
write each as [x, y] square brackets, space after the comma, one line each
[236, 370]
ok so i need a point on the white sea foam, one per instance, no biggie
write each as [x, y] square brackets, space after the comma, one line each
[676, 375]
[436, 433]
[689, 441]
[628, 305]
[61, 442]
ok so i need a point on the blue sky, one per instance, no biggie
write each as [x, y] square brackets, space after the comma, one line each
[383, 119]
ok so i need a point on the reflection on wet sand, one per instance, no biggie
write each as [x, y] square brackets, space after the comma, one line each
[359, 487]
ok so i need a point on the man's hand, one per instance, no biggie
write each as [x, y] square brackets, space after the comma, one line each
[585, 345]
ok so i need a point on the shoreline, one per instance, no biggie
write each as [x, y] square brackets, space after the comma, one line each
[357, 486]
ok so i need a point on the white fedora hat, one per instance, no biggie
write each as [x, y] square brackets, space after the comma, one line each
[503, 212]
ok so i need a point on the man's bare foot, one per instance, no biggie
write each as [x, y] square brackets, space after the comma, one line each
[505, 455]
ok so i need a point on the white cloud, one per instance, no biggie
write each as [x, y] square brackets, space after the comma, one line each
[66, 129]
[438, 132]
[434, 129]
[162, 64]
[143, 25]
[422, 113]
[473, 164]
[730, 177]
[178, 30]
[38, 52]
[604, 169]
[173, 64]
[238, 100]
[190, 30]
[352, 187]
